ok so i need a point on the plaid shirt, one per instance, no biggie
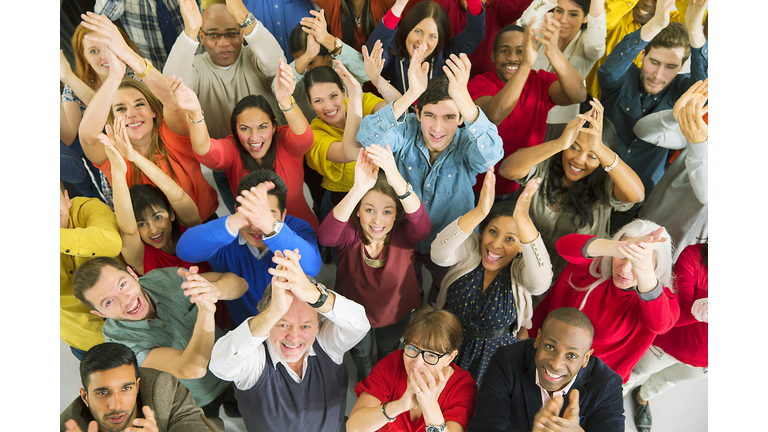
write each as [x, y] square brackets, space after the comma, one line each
[140, 22]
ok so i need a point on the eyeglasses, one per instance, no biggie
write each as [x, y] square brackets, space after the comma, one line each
[216, 36]
[429, 357]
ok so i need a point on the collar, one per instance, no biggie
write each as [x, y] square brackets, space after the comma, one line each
[254, 250]
[545, 394]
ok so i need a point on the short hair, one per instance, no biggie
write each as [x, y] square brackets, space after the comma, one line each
[88, 273]
[297, 41]
[382, 186]
[103, 357]
[434, 330]
[266, 298]
[505, 29]
[319, 75]
[256, 178]
[675, 35]
[437, 91]
[421, 11]
[572, 317]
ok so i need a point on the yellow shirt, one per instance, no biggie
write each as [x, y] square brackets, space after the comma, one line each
[92, 232]
[337, 177]
[619, 23]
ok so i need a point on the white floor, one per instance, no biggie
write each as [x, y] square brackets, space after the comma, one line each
[680, 409]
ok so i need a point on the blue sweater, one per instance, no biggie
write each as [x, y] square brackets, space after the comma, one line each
[212, 242]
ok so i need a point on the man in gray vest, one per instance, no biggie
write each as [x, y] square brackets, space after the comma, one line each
[288, 365]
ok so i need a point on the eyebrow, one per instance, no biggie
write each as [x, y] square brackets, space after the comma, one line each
[497, 229]
[571, 348]
[137, 100]
[107, 388]
[228, 29]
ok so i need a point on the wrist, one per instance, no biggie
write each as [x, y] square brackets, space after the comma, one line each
[240, 12]
[192, 32]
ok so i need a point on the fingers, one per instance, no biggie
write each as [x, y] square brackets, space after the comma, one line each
[529, 191]
[573, 406]
[72, 426]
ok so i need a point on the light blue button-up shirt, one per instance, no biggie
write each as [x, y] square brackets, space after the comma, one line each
[444, 187]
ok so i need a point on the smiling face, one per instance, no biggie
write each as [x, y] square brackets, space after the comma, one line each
[643, 11]
[224, 41]
[500, 243]
[508, 55]
[131, 105]
[156, 228]
[438, 124]
[254, 235]
[578, 161]
[96, 55]
[118, 295]
[571, 17]
[255, 131]
[561, 350]
[295, 332]
[318, 60]
[660, 66]
[377, 215]
[327, 99]
[424, 32]
[111, 397]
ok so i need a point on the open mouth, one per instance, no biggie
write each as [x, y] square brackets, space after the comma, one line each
[437, 137]
[550, 376]
[136, 307]
[492, 257]
[256, 236]
[256, 146]
[117, 419]
[331, 114]
[574, 169]
[643, 12]
[157, 238]
[292, 348]
[134, 125]
[511, 68]
[376, 230]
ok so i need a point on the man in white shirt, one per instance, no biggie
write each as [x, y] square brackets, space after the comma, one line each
[287, 363]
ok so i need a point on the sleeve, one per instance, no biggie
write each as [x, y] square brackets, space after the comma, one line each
[334, 233]
[221, 155]
[697, 167]
[297, 234]
[613, 202]
[113, 9]
[699, 64]
[238, 356]
[347, 326]
[481, 144]
[660, 314]
[416, 227]
[470, 38]
[100, 237]
[594, 37]
[571, 248]
[661, 129]
[203, 242]
[370, 101]
[536, 272]
[266, 51]
[537, 9]
[382, 127]
[385, 35]
[71, 166]
[185, 415]
[495, 396]
[608, 413]
[533, 173]
[317, 156]
[687, 269]
[615, 10]
[180, 61]
[352, 59]
[380, 383]
[452, 245]
[296, 145]
[459, 406]
[618, 62]
[480, 86]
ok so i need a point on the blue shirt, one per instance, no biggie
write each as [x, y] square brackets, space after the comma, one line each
[280, 17]
[444, 187]
[626, 101]
[214, 243]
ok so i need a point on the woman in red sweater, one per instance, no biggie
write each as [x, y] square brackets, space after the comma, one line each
[622, 286]
[375, 228]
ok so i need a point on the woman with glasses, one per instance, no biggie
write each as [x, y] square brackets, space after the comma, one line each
[419, 387]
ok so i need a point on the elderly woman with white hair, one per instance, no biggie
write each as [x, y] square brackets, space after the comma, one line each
[622, 285]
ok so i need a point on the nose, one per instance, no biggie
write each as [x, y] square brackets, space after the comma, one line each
[222, 41]
[581, 158]
[497, 242]
[624, 266]
[556, 364]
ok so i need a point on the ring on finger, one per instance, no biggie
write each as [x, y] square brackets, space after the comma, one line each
[417, 393]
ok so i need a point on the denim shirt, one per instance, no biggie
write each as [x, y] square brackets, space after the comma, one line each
[444, 187]
[626, 101]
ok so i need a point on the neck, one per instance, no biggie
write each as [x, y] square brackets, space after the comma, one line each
[433, 155]
[562, 43]
[298, 366]
[170, 247]
[152, 309]
[358, 7]
[567, 181]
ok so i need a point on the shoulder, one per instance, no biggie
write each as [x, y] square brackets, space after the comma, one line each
[601, 375]
[160, 278]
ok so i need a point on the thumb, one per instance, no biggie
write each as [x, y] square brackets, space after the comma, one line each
[93, 426]
[573, 405]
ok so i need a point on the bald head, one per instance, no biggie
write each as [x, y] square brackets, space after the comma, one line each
[220, 35]
[215, 10]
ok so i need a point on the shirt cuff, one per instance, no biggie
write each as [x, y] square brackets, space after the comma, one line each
[250, 37]
[586, 245]
[187, 40]
[346, 314]
[243, 341]
[390, 20]
[653, 294]
[233, 234]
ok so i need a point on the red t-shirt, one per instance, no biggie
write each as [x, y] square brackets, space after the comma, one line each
[289, 165]
[525, 126]
[388, 380]
[184, 165]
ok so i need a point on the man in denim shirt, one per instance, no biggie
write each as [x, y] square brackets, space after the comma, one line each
[630, 93]
[438, 160]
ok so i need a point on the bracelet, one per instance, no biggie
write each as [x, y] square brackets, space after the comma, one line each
[147, 68]
[293, 104]
[197, 121]
[612, 165]
[389, 419]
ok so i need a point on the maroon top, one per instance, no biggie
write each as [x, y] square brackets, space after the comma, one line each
[689, 340]
[388, 293]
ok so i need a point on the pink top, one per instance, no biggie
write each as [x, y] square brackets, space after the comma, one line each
[625, 325]
[289, 165]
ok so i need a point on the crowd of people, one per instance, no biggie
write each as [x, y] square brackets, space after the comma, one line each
[545, 161]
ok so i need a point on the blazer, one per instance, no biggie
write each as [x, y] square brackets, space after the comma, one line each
[509, 398]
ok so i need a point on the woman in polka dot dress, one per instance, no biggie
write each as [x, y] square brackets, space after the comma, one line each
[493, 274]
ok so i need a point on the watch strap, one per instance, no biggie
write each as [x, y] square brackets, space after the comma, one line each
[408, 192]
[323, 296]
[249, 19]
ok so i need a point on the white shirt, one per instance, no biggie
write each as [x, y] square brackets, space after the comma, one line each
[240, 357]
[545, 397]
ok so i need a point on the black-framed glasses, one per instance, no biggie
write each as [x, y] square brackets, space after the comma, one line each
[216, 36]
[429, 357]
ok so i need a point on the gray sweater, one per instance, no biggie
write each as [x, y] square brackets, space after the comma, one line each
[679, 201]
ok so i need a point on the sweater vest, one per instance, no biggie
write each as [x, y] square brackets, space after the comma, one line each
[278, 403]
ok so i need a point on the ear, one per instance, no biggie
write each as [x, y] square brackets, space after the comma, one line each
[493, 57]
[66, 197]
[453, 355]
[98, 314]
[586, 357]
[418, 114]
[84, 397]
[200, 35]
[133, 274]
[461, 119]
[586, 18]
[283, 214]
[138, 380]
[538, 338]
[172, 215]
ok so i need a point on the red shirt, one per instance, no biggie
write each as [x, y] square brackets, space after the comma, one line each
[525, 126]
[289, 165]
[689, 340]
[625, 325]
[388, 380]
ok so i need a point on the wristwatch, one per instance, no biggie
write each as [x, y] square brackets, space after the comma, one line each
[408, 192]
[433, 428]
[323, 296]
[249, 19]
[276, 227]
[338, 45]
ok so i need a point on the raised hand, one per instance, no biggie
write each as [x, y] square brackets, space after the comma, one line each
[653, 237]
[317, 27]
[183, 96]
[693, 126]
[546, 413]
[700, 309]
[457, 70]
[523, 204]
[530, 53]
[418, 71]
[284, 83]
[119, 140]
[384, 159]
[694, 15]
[292, 277]
[487, 192]
[354, 89]
[548, 34]
[572, 129]
[193, 20]
[282, 297]
[72, 426]
[106, 32]
[429, 385]
[119, 167]
[374, 63]
[366, 171]
[254, 205]
[199, 290]
[313, 47]
[116, 66]
[660, 18]
[595, 130]
[147, 424]
[697, 93]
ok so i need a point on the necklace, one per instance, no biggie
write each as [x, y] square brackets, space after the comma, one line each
[375, 263]
[358, 20]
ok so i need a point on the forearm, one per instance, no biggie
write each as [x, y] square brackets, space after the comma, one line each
[197, 354]
[347, 150]
[661, 129]
[261, 324]
[202, 242]
[293, 116]
[619, 61]
[697, 167]
[570, 80]
[519, 164]
[121, 197]
[343, 210]
[388, 91]
[267, 52]
[94, 119]
[467, 108]
[537, 274]
[432, 413]
[400, 106]
[603, 247]
[230, 286]
[67, 127]
[470, 220]
[369, 419]
[79, 88]
[180, 59]
[198, 133]
[501, 105]
[627, 184]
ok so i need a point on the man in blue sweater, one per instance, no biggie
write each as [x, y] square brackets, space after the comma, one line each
[244, 243]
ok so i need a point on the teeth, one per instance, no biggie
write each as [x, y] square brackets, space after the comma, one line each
[292, 347]
[332, 113]
[157, 236]
[256, 147]
[376, 230]
[134, 124]
[642, 12]
[136, 308]
[551, 375]
[576, 169]
[492, 257]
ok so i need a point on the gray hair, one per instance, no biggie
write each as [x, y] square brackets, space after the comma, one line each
[266, 300]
